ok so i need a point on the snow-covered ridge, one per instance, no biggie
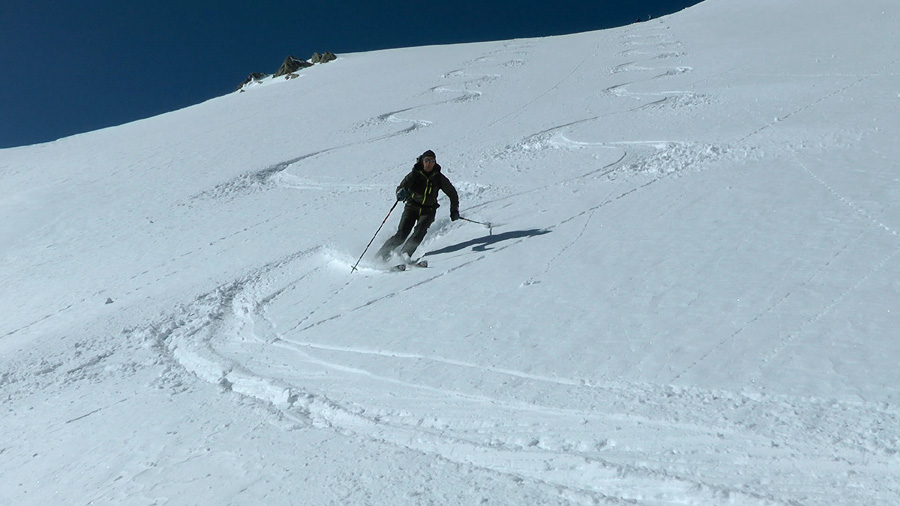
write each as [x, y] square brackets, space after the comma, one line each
[688, 293]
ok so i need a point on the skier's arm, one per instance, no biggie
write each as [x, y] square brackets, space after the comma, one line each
[403, 190]
[450, 191]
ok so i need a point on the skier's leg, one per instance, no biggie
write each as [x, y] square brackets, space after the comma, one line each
[407, 221]
[418, 235]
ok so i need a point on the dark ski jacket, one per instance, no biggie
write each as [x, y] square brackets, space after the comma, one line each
[423, 188]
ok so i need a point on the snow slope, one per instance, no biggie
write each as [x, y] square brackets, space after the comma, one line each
[689, 293]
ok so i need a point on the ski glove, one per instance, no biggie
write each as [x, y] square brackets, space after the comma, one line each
[402, 194]
[454, 214]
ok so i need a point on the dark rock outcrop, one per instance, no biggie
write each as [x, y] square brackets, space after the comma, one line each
[325, 57]
[289, 68]
[292, 64]
[255, 76]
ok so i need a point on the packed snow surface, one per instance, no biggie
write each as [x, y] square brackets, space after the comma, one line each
[689, 292]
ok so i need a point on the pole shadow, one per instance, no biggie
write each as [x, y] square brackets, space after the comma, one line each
[484, 243]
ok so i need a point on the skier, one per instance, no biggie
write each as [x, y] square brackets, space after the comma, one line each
[419, 190]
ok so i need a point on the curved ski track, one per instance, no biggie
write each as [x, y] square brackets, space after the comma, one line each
[611, 443]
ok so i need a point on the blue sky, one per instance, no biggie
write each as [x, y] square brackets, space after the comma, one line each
[72, 67]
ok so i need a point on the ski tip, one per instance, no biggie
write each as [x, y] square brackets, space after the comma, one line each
[407, 266]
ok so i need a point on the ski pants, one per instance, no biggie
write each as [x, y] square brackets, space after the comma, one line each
[415, 219]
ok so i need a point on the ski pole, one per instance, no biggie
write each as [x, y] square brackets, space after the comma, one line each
[352, 269]
[488, 225]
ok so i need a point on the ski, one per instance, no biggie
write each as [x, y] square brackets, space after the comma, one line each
[405, 266]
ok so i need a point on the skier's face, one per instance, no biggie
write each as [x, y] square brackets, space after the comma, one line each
[428, 164]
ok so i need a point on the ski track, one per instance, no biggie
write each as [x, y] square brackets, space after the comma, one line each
[587, 466]
[275, 175]
[614, 442]
[194, 336]
[877, 73]
[786, 339]
[202, 360]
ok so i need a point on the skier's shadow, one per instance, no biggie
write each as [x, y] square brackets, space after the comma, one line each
[484, 243]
